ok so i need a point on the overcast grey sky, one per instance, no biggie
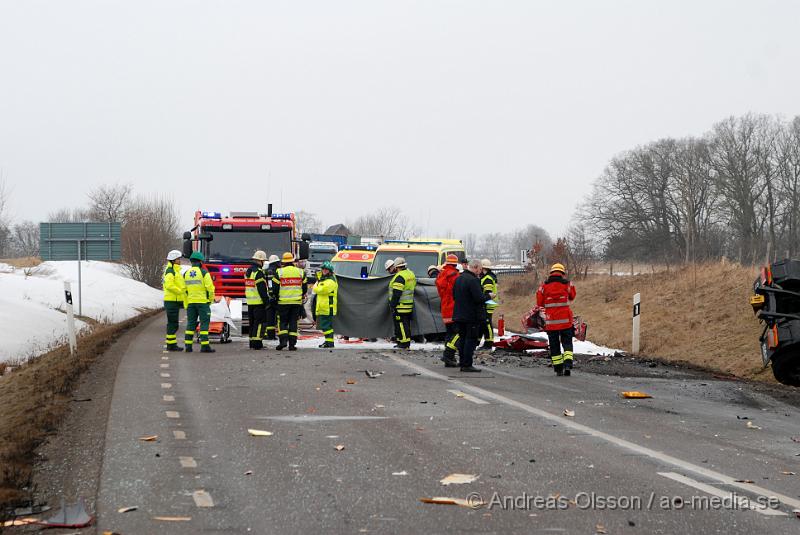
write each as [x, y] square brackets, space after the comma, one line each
[474, 116]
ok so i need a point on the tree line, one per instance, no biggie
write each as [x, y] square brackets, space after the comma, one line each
[150, 226]
[733, 192]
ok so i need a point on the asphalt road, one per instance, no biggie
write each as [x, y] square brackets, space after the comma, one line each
[684, 461]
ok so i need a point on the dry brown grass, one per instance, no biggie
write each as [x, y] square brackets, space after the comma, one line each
[34, 398]
[24, 262]
[699, 315]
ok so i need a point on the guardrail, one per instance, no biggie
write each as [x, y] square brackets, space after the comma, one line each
[509, 271]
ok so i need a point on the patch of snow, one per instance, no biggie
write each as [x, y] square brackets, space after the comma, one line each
[32, 308]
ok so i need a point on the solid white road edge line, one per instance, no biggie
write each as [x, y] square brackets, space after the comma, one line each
[741, 501]
[460, 394]
[202, 499]
[620, 442]
[188, 462]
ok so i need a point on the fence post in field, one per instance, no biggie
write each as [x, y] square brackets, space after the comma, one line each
[636, 310]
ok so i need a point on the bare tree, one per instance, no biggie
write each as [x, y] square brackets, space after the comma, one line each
[108, 204]
[308, 222]
[69, 215]
[788, 150]
[470, 241]
[523, 239]
[494, 246]
[25, 239]
[5, 231]
[152, 227]
[580, 249]
[388, 222]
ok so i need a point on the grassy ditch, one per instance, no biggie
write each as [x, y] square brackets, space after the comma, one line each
[34, 399]
[697, 315]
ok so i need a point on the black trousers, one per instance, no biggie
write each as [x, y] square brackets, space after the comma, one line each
[271, 321]
[257, 317]
[402, 328]
[289, 315]
[488, 331]
[451, 340]
[468, 336]
[559, 339]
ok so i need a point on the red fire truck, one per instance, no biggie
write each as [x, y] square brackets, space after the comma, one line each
[228, 243]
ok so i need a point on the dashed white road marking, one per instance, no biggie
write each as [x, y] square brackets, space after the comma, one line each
[202, 499]
[168, 398]
[619, 442]
[164, 358]
[165, 365]
[179, 435]
[741, 501]
[188, 462]
[460, 394]
[173, 414]
[165, 375]
[166, 385]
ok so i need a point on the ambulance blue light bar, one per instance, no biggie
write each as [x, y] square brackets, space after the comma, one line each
[414, 242]
[281, 216]
[212, 215]
[358, 248]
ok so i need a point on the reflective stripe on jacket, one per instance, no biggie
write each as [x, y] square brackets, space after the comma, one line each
[255, 286]
[554, 295]
[327, 290]
[291, 280]
[401, 291]
[172, 283]
[199, 286]
[489, 284]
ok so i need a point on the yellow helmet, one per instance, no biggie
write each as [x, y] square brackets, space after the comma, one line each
[558, 268]
[287, 258]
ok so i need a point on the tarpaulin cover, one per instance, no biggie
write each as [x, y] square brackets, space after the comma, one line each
[364, 308]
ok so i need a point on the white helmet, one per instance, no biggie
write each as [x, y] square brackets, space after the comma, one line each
[274, 258]
[389, 264]
[486, 263]
[174, 255]
[260, 255]
[400, 262]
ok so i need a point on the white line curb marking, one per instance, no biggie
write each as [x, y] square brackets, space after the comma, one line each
[622, 443]
[188, 462]
[166, 385]
[202, 499]
[169, 398]
[460, 394]
[173, 414]
[165, 375]
[741, 501]
[179, 435]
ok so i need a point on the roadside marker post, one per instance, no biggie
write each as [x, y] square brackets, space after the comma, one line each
[73, 342]
[637, 299]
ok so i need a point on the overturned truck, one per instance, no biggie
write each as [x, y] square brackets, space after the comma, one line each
[776, 302]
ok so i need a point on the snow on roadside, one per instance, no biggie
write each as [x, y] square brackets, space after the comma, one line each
[32, 309]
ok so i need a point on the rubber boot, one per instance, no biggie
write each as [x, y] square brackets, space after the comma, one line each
[559, 369]
[174, 347]
[188, 348]
[207, 349]
[567, 368]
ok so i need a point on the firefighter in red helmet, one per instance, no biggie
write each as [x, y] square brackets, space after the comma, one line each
[554, 295]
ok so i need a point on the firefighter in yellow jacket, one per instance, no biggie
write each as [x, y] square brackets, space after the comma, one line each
[174, 294]
[401, 300]
[327, 290]
[289, 287]
[199, 296]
